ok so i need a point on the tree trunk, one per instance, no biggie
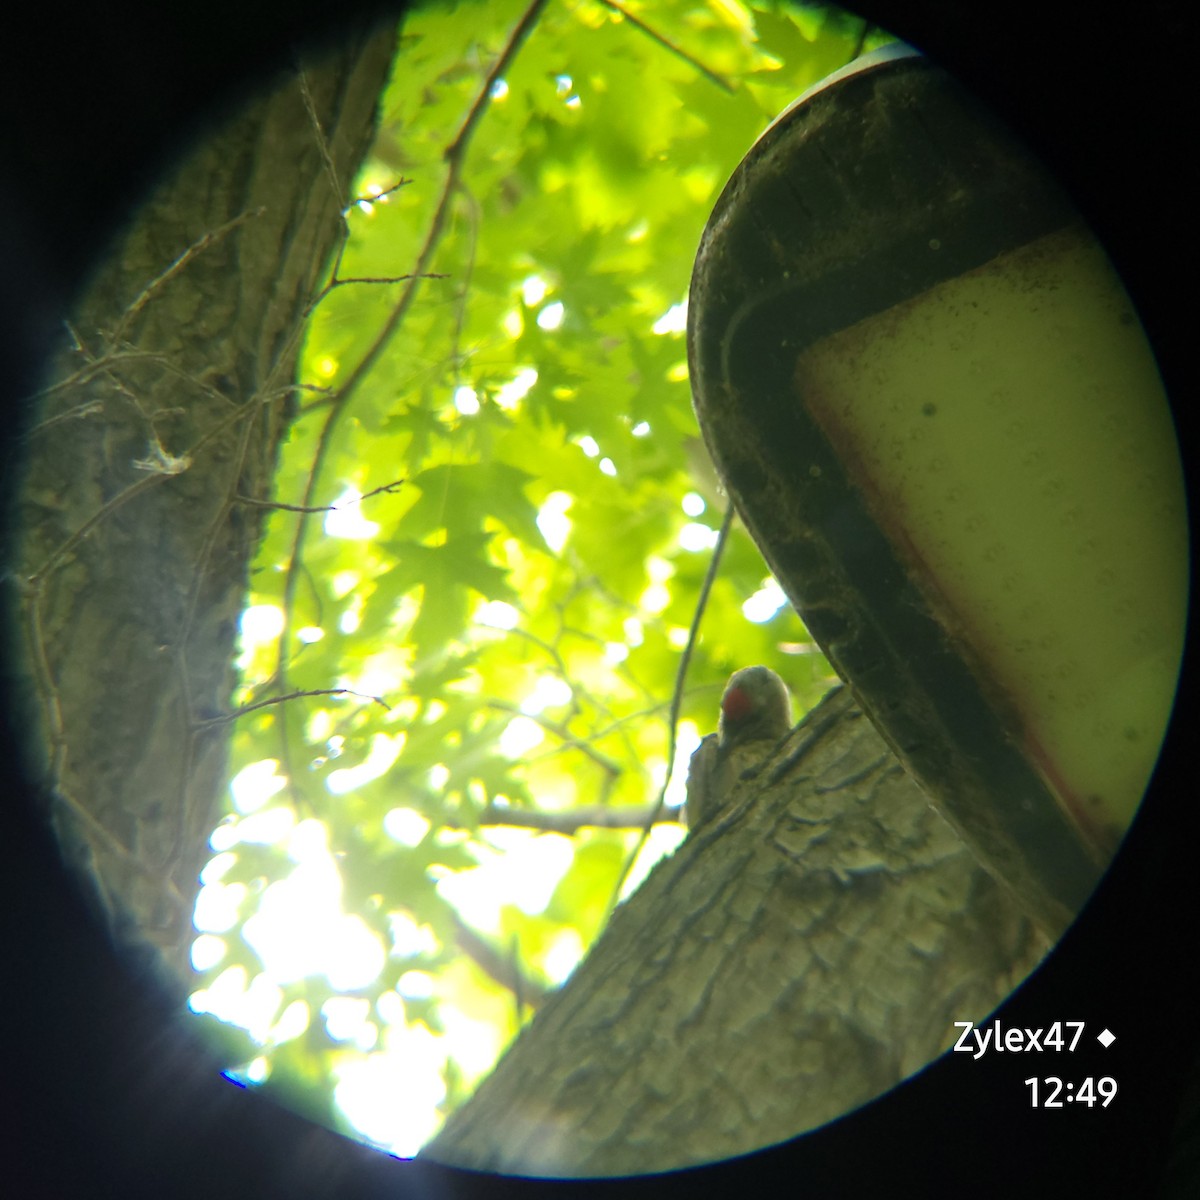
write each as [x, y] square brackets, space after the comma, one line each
[166, 411]
[801, 953]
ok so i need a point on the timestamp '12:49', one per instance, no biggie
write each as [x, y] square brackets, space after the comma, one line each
[1052, 1092]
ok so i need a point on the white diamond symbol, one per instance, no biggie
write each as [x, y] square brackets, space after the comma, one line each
[1106, 1039]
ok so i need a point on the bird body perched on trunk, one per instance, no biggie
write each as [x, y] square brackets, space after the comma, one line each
[756, 711]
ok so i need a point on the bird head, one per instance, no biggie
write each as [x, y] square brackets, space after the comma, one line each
[755, 706]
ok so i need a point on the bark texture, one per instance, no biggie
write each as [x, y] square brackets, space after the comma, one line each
[801, 953]
[167, 409]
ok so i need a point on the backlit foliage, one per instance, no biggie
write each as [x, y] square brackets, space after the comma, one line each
[504, 628]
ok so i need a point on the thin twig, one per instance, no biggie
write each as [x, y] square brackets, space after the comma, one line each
[546, 647]
[388, 488]
[378, 197]
[677, 699]
[89, 408]
[454, 156]
[503, 969]
[299, 695]
[73, 540]
[337, 283]
[670, 46]
[197, 247]
[569, 821]
[524, 27]
[322, 140]
[568, 739]
[344, 235]
[91, 367]
[119, 850]
[128, 493]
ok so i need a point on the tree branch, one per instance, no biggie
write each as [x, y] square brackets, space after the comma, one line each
[503, 969]
[570, 821]
[299, 695]
[710, 576]
[569, 740]
[670, 46]
[790, 962]
[389, 488]
[454, 156]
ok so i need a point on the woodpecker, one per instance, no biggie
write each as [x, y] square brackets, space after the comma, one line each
[756, 711]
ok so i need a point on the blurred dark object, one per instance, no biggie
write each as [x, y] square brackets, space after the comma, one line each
[103, 1090]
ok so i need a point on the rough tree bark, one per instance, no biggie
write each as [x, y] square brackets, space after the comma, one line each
[803, 952]
[166, 411]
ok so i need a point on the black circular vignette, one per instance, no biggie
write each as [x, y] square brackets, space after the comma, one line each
[106, 1092]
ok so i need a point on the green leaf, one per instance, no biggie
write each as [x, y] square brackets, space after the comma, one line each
[587, 184]
[461, 499]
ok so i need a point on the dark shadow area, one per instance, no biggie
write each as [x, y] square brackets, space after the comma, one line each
[104, 1088]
